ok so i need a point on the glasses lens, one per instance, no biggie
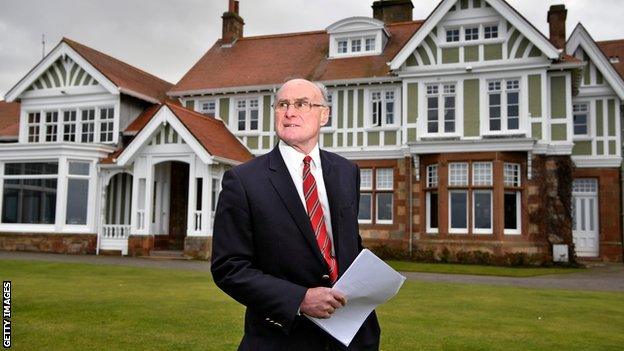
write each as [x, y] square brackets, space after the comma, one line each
[302, 106]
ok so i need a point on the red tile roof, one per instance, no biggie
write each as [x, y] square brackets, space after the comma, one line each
[614, 48]
[122, 74]
[210, 132]
[9, 113]
[10, 132]
[273, 59]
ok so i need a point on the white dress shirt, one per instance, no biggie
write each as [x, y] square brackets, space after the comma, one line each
[294, 162]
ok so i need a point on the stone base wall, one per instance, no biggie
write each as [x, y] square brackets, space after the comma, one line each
[199, 247]
[81, 244]
[140, 245]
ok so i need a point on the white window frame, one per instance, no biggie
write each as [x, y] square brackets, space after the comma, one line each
[34, 137]
[247, 109]
[366, 189]
[476, 230]
[472, 23]
[431, 230]
[442, 91]
[349, 42]
[384, 189]
[471, 37]
[491, 25]
[109, 122]
[331, 102]
[504, 105]
[84, 122]
[202, 102]
[453, 230]
[383, 94]
[512, 178]
[53, 125]
[518, 230]
[78, 176]
[448, 35]
[577, 111]
[69, 124]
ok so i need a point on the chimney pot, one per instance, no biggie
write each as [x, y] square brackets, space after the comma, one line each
[557, 15]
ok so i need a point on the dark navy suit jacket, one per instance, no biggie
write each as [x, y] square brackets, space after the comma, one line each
[265, 254]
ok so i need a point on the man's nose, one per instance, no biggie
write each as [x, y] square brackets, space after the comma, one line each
[290, 111]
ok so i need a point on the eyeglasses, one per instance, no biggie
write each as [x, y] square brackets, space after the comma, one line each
[299, 105]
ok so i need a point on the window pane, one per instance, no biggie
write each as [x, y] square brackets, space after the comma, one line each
[432, 114]
[512, 174]
[449, 114]
[31, 168]
[29, 201]
[432, 205]
[432, 176]
[356, 45]
[366, 178]
[77, 201]
[199, 184]
[384, 206]
[511, 210]
[342, 46]
[482, 173]
[458, 174]
[459, 206]
[365, 209]
[385, 179]
[215, 193]
[78, 168]
[483, 210]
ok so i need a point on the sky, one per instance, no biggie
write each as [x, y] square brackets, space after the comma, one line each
[166, 38]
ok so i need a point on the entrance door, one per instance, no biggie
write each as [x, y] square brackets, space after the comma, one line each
[178, 207]
[585, 217]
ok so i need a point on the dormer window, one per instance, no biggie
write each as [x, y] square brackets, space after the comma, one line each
[357, 36]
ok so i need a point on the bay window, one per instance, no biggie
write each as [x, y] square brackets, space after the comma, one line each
[29, 192]
[376, 196]
[504, 105]
[247, 112]
[441, 120]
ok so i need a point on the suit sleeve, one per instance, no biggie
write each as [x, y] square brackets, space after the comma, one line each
[357, 203]
[233, 266]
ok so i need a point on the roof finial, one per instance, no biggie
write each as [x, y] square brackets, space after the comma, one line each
[42, 46]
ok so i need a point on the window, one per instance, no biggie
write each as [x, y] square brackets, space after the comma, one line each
[208, 107]
[512, 198]
[452, 35]
[88, 125]
[69, 126]
[34, 118]
[580, 119]
[77, 193]
[356, 45]
[370, 44]
[247, 112]
[471, 33]
[504, 105]
[51, 126]
[376, 195]
[383, 107]
[441, 120]
[490, 32]
[330, 106]
[458, 198]
[432, 199]
[342, 46]
[29, 194]
[480, 191]
[482, 198]
[107, 118]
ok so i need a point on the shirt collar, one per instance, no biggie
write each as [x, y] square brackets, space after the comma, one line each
[293, 157]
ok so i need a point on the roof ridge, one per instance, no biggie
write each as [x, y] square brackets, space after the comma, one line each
[281, 35]
[138, 70]
[610, 41]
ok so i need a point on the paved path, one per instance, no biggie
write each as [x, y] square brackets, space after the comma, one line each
[599, 277]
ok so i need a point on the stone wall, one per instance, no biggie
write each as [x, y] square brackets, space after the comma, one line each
[140, 245]
[199, 247]
[49, 242]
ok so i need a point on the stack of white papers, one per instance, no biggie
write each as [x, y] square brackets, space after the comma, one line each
[367, 283]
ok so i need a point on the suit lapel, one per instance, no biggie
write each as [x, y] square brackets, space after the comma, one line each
[332, 188]
[283, 183]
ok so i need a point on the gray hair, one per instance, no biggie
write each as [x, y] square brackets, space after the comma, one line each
[320, 86]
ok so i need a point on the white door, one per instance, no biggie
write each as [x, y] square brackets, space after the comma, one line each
[585, 217]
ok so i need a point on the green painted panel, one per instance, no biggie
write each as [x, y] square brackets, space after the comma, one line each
[599, 77]
[412, 102]
[45, 78]
[450, 55]
[55, 77]
[360, 137]
[493, 52]
[81, 73]
[411, 134]
[535, 52]
[423, 55]
[558, 97]
[328, 139]
[535, 95]
[350, 109]
[340, 137]
[87, 80]
[61, 69]
[434, 48]
[611, 116]
[266, 142]
[599, 147]
[512, 41]
[190, 104]
[612, 147]
[390, 138]
[266, 118]
[464, 4]
[252, 142]
[411, 61]
[522, 47]
[476, 3]
[224, 109]
[340, 109]
[72, 74]
[471, 53]
[373, 138]
[471, 107]
[350, 139]
[586, 74]
[38, 84]
[536, 130]
[582, 148]
[558, 132]
[599, 118]
[360, 108]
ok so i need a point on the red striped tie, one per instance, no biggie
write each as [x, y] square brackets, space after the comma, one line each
[315, 212]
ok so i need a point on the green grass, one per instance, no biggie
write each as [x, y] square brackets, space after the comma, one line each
[60, 306]
[406, 266]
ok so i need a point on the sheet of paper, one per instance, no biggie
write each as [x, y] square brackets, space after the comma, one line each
[367, 283]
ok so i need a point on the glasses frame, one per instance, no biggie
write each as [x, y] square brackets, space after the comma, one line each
[277, 106]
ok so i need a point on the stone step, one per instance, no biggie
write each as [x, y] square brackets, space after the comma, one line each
[168, 255]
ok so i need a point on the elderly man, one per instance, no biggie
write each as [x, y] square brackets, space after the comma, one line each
[286, 228]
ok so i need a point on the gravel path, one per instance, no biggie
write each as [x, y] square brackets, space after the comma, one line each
[599, 277]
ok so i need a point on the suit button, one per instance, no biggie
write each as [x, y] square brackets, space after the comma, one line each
[325, 277]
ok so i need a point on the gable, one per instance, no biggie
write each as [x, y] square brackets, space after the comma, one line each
[65, 72]
[467, 31]
[166, 135]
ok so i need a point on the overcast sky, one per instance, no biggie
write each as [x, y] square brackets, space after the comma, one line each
[166, 38]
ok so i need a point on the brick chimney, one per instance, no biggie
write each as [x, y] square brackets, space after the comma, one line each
[391, 11]
[232, 24]
[557, 19]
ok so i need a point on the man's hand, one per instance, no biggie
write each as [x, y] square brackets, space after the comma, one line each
[321, 302]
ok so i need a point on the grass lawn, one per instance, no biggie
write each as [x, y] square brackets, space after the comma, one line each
[59, 306]
[406, 266]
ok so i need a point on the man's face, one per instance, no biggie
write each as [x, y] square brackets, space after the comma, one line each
[296, 128]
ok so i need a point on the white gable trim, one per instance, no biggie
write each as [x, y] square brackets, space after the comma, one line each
[356, 24]
[163, 115]
[580, 37]
[511, 15]
[60, 50]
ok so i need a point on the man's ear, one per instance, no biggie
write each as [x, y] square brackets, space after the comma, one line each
[324, 115]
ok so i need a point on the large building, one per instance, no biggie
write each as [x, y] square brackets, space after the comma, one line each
[474, 132]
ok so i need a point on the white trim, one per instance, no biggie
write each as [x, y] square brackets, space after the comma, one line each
[428, 206]
[452, 230]
[483, 231]
[597, 162]
[518, 229]
[446, 146]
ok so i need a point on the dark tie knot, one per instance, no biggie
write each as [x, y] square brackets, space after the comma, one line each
[306, 160]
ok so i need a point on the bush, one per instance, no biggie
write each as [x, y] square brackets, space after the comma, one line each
[420, 255]
[386, 252]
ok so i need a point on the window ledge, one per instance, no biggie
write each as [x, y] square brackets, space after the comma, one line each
[582, 138]
[384, 128]
[432, 137]
[504, 135]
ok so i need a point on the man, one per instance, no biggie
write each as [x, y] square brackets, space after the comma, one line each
[286, 228]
